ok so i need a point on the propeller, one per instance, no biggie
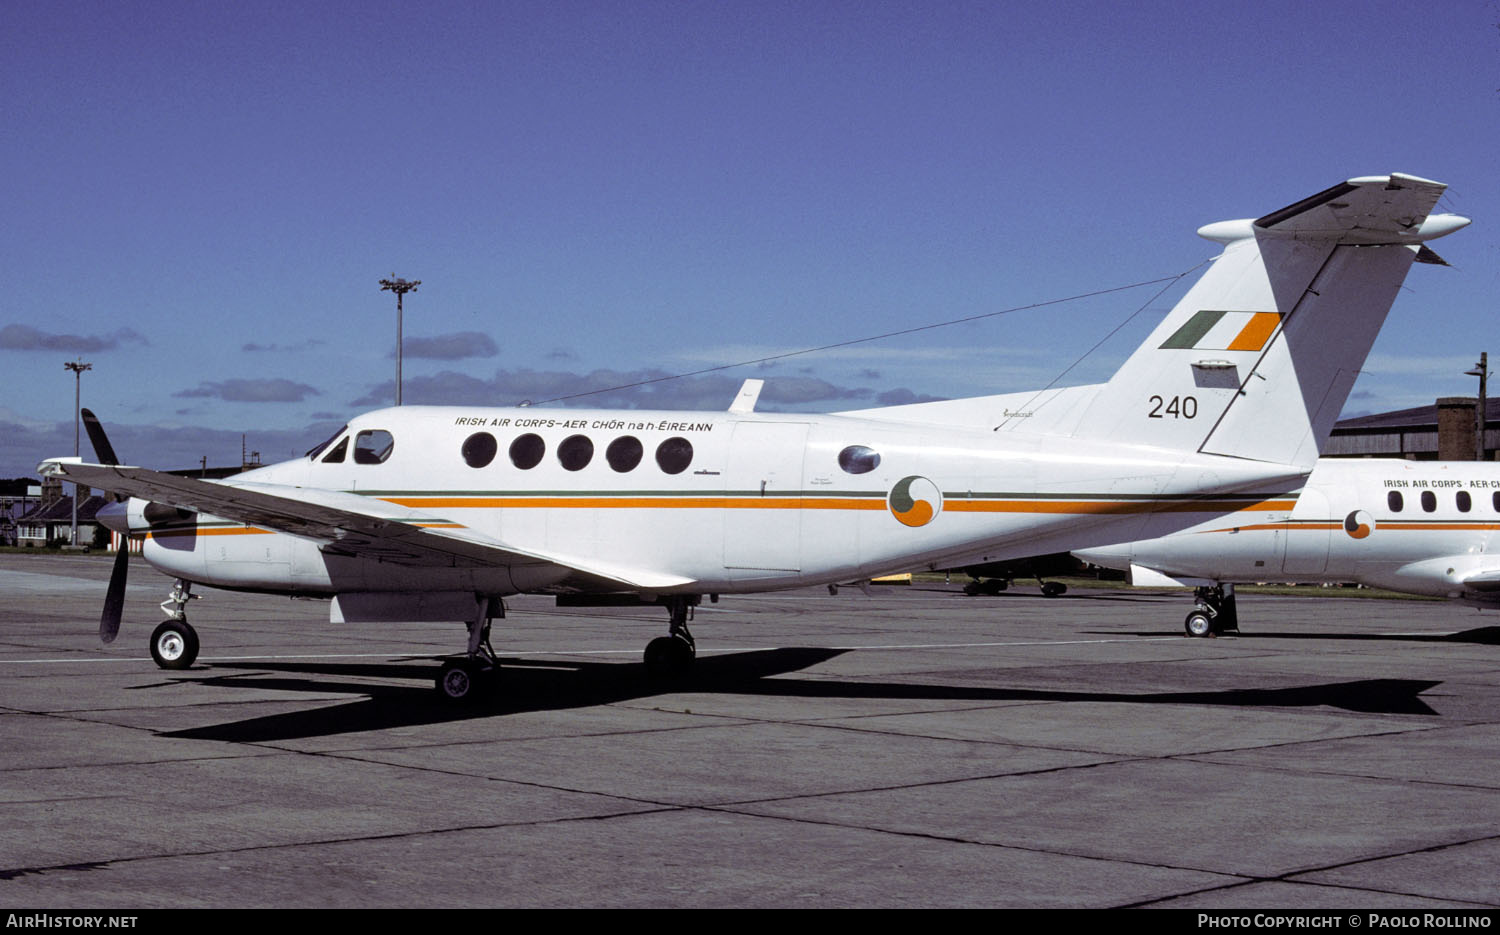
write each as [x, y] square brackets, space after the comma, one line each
[114, 598]
[102, 448]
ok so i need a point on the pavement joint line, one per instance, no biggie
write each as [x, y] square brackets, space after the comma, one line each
[10, 873]
[1290, 876]
[1405, 780]
[1236, 879]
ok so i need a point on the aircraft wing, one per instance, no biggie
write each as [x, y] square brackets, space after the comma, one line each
[1485, 582]
[349, 524]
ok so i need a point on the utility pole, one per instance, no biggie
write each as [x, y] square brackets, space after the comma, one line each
[1482, 371]
[78, 367]
[401, 287]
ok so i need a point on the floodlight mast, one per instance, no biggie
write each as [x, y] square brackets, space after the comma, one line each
[401, 287]
[78, 367]
[1482, 371]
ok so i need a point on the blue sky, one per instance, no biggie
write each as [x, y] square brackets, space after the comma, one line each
[200, 198]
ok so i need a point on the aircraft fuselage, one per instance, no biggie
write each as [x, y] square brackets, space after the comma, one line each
[725, 502]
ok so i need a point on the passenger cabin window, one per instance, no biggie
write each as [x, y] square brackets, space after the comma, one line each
[373, 446]
[1394, 501]
[575, 452]
[336, 456]
[527, 450]
[479, 449]
[624, 453]
[1495, 501]
[857, 459]
[674, 455]
[1429, 501]
[1464, 503]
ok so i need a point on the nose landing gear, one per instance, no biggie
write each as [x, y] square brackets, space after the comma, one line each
[174, 644]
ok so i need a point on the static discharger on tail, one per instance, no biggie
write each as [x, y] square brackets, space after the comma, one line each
[438, 513]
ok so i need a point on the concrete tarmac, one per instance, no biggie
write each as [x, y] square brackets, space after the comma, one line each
[908, 748]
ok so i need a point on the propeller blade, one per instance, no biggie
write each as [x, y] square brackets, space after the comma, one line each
[114, 599]
[102, 448]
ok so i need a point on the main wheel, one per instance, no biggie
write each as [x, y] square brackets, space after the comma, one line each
[1199, 623]
[462, 680]
[669, 657]
[174, 645]
[1054, 589]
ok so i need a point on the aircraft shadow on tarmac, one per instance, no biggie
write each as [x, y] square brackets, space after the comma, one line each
[528, 685]
[1479, 636]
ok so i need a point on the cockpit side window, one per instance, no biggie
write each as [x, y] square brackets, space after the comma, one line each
[373, 446]
[336, 456]
[313, 452]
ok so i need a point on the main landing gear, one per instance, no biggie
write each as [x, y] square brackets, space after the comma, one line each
[1213, 613]
[993, 586]
[174, 644]
[462, 680]
[671, 656]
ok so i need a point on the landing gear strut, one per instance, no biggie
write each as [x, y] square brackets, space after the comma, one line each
[1213, 613]
[174, 644]
[461, 680]
[672, 655]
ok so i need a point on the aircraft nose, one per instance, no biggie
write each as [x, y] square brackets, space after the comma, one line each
[115, 517]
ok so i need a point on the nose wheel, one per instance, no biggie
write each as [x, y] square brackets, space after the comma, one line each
[174, 645]
[1213, 612]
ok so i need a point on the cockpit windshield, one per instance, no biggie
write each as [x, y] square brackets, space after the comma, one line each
[312, 453]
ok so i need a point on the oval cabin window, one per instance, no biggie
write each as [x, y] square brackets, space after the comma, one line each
[479, 449]
[624, 453]
[527, 450]
[674, 455]
[575, 452]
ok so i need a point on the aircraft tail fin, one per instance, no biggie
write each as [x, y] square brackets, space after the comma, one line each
[1258, 357]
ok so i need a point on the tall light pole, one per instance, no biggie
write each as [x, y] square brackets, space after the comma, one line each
[401, 287]
[1482, 371]
[78, 367]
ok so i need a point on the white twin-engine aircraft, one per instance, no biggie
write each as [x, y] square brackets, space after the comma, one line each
[437, 513]
[1422, 527]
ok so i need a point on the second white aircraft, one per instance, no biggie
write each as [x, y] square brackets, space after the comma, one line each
[1420, 527]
